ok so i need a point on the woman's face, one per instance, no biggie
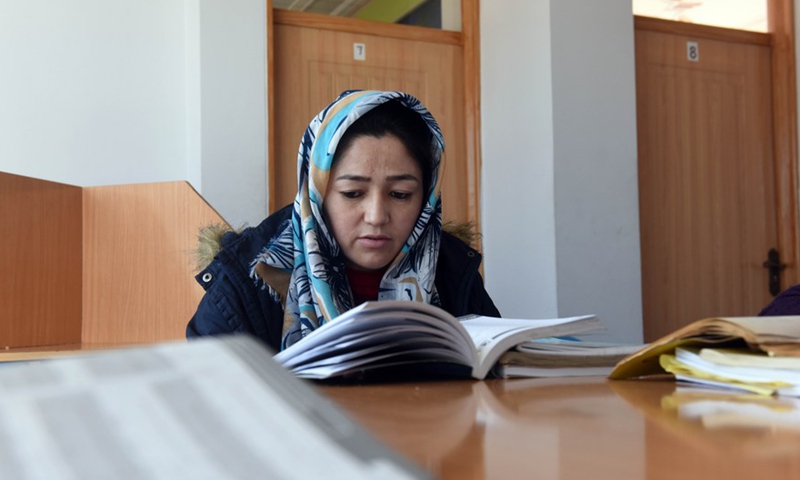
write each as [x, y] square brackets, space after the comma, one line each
[373, 200]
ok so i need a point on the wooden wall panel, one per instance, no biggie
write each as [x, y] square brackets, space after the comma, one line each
[40, 257]
[138, 274]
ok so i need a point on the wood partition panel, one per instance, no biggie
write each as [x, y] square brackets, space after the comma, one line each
[40, 257]
[97, 266]
[138, 271]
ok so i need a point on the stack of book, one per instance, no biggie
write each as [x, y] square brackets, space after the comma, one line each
[562, 357]
[755, 354]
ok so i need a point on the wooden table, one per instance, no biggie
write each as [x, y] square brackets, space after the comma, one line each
[578, 428]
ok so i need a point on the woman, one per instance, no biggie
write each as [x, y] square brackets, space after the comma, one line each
[365, 225]
[786, 303]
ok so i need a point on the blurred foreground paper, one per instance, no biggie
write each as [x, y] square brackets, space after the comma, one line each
[212, 408]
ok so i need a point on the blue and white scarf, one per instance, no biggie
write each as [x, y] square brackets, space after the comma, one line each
[319, 290]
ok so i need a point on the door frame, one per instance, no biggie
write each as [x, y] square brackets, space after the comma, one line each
[468, 38]
[784, 106]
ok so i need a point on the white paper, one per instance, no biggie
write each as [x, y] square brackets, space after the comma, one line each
[192, 410]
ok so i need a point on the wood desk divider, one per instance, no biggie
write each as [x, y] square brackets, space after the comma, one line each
[88, 267]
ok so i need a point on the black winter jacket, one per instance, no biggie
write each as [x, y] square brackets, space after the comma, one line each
[233, 303]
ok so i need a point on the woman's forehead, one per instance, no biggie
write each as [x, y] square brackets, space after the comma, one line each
[385, 154]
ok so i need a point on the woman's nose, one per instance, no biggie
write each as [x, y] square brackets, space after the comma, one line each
[376, 211]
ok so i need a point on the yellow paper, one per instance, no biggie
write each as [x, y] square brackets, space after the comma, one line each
[674, 366]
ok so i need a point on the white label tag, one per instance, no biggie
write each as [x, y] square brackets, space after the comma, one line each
[359, 51]
[692, 52]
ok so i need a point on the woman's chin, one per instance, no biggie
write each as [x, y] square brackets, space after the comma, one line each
[369, 264]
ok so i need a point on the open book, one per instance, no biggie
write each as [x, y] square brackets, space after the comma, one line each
[418, 336]
[210, 408]
[758, 354]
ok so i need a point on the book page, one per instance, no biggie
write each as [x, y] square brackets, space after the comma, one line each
[748, 358]
[377, 334]
[771, 329]
[205, 409]
[494, 336]
[558, 347]
[528, 371]
[690, 358]
[689, 373]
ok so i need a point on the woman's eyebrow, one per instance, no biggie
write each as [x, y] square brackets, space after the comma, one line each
[402, 178]
[352, 177]
[391, 178]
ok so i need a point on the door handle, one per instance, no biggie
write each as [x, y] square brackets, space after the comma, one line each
[774, 265]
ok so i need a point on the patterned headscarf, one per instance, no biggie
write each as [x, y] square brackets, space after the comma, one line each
[319, 289]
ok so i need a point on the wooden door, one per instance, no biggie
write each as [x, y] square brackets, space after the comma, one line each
[314, 62]
[706, 174]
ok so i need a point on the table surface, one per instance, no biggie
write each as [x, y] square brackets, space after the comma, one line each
[579, 428]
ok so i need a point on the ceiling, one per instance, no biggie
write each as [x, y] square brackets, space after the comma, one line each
[375, 10]
[340, 8]
[738, 14]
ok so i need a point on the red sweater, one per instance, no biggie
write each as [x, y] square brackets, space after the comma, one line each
[364, 285]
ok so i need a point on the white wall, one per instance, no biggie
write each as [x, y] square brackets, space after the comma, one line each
[233, 107]
[96, 92]
[596, 181]
[560, 201]
[517, 188]
[92, 91]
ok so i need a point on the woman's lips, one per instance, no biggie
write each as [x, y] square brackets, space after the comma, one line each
[374, 241]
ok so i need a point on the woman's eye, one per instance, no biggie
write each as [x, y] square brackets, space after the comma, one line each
[400, 195]
[351, 194]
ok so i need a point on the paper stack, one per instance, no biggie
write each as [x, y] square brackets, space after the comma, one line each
[756, 354]
[740, 369]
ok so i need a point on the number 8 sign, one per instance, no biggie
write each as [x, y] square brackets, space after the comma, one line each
[692, 52]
